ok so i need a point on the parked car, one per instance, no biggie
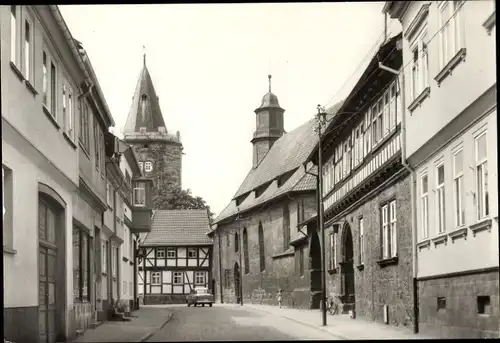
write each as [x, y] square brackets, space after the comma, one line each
[200, 296]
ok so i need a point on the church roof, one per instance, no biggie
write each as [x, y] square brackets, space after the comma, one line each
[150, 116]
[287, 155]
[178, 227]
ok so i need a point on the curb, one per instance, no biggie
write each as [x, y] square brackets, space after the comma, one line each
[303, 323]
[151, 333]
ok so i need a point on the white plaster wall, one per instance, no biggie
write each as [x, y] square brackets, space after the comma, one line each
[476, 252]
[465, 84]
[21, 269]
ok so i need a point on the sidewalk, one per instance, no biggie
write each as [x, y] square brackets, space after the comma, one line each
[144, 323]
[340, 326]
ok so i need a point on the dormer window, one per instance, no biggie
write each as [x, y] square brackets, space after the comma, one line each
[148, 166]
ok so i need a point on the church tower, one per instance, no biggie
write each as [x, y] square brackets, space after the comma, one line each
[269, 126]
[159, 152]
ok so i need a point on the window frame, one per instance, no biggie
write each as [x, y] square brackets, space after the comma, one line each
[419, 44]
[169, 250]
[458, 190]
[389, 233]
[155, 278]
[424, 205]
[440, 200]
[150, 164]
[45, 79]
[191, 250]
[104, 257]
[53, 87]
[14, 30]
[160, 253]
[262, 251]
[141, 195]
[245, 251]
[7, 204]
[361, 240]
[84, 126]
[198, 274]
[83, 266]
[28, 57]
[177, 274]
[454, 30]
[481, 195]
[333, 255]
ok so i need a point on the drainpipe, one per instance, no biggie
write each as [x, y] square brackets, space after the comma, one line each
[401, 85]
[220, 272]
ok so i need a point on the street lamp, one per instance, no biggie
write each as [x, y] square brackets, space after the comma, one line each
[321, 118]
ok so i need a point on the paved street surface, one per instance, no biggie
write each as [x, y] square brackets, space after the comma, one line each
[232, 323]
[145, 321]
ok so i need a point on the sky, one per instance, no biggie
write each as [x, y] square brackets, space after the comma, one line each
[209, 64]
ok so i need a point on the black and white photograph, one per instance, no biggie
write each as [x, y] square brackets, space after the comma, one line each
[274, 171]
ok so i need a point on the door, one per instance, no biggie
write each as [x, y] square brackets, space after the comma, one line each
[347, 268]
[47, 219]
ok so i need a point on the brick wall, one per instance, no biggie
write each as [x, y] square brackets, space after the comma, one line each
[376, 286]
[280, 272]
[460, 317]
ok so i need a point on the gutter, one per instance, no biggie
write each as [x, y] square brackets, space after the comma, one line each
[401, 85]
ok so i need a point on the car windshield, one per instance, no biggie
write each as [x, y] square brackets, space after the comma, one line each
[201, 291]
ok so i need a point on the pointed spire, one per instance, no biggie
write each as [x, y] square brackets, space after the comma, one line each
[269, 76]
[144, 54]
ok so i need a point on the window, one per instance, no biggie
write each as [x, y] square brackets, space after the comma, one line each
[102, 145]
[419, 64]
[148, 166]
[300, 212]
[458, 188]
[177, 278]
[483, 304]
[333, 257]
[368, 132]
[171, 253]
[45, 80]
[84, 127]
[228, 240]
[160, 253]
[104, 256]
[81, 265]
[141, 166]
[96, 144]
[386, 113]
[236, 242]
[139, 195]
[440, 199]
[361, 241]
[481, 155]
[199, 278]
[28, 51]
[286, 227]
[114, 261]
[53, 104]
[452, 31]
[192, 252]
[301, 261]
[245, 251]
[441, 303]
[392, 107]
[7, 197]
[156, 278]
[109, 194]
[424, 205]
[389, 230]
[262, 256]
[13, 33]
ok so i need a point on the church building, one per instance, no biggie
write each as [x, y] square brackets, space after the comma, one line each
[258, 247]
[158, 150]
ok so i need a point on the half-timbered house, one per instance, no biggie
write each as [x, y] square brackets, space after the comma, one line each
[366, 197]
[175, 256]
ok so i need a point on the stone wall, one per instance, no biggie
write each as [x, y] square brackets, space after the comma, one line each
[459, 318]
[281, 272]
[167, 162]
[153, 299]
[376, 285]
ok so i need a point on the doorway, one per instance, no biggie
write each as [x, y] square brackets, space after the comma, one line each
[315, 269]
[48, 220]
[347, 265]
[237, 282]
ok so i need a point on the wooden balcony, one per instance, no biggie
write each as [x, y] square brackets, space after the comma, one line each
[141, 219]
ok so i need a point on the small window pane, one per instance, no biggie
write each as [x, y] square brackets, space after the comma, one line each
[441, 175]
[425, 184]
[481, 147]
[458, 162]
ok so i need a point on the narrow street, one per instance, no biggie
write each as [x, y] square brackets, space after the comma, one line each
[232, 324]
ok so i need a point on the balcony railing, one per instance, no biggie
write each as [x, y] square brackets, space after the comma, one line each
[388, 151]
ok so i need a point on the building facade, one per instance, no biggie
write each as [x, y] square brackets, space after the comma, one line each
[452, 147]
[175, 257]
[159, 151]
[49, 98]
[366, 198]
[259, 247]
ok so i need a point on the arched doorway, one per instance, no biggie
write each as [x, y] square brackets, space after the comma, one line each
[237, 282]
[315, 269]
[51, 264]
[347, 265]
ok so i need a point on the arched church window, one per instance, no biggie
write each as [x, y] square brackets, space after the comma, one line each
[236, 242]
[262, 256]
[245, 251]
[286, 227]
[148, 166]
